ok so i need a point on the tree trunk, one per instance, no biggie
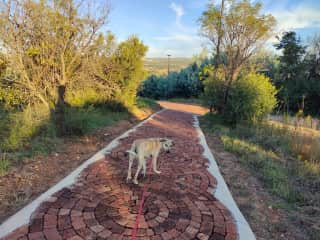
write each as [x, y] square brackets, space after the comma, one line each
[227, 91]
[60, 111]
[220, 34]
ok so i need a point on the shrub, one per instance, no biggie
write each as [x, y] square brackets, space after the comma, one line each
[212, 96]
[23, 125]
[251, 96]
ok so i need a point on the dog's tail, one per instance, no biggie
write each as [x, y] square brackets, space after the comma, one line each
[131, 152]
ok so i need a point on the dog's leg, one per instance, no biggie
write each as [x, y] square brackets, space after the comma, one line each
[131, 158]
[140, 165]
[144, 167]
[154, 162]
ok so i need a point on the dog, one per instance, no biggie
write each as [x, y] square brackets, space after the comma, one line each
[146, 147]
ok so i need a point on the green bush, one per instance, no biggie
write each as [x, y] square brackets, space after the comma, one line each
[212, 96]
[251, 96]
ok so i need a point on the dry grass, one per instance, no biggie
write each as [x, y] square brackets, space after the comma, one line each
[285, 158]
[304, 144]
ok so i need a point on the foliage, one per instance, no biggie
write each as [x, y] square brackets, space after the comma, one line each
[291, 75]
[212, 96]
[298, 75]
[252, 96]
[56, 55]
[20, 126]
[61, 74]
[47, 43]
[128, 59]
[183, 84]
[236, 32]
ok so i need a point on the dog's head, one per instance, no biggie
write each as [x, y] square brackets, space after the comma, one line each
[166, 144]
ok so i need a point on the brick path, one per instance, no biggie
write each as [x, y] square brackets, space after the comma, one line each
[101, 205]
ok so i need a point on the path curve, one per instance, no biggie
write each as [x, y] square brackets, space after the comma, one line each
[179, 202]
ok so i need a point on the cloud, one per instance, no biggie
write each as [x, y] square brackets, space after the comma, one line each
[297, 18]
[178, 45]
[187, 38]
[179, 11]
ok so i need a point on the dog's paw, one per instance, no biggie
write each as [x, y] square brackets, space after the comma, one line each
[135, 182]
[128, 179]
[157, 172]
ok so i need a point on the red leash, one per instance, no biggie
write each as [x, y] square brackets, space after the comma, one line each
[135, 228]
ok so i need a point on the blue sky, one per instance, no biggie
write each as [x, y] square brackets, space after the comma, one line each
[170, 26]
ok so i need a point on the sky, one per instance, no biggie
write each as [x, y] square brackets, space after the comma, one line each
[170, 26]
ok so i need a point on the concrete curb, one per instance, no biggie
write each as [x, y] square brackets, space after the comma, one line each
[222, 192]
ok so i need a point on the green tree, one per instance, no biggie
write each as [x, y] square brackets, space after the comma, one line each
[236, 30]
[129, 70]
[312, 63]
[47, 45]
[291, 77]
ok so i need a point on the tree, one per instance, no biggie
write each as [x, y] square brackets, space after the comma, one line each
[211, 23]
[47, 43]
[129, 71]
[292, 72]
[312, 62]
[236, 31]
[185, 83]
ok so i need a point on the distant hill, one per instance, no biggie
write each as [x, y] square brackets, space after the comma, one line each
[159, 66]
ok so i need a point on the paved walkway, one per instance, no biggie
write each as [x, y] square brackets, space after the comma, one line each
[101, 205]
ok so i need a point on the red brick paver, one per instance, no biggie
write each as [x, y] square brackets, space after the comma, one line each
[101, 205]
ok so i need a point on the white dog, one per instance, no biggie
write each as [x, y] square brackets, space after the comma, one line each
[142, 148]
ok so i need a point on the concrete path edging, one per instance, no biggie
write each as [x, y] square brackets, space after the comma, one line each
[222, 192]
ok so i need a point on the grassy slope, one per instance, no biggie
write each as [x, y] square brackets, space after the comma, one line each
[270, 153]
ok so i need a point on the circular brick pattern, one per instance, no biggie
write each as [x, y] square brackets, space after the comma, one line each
[101, 205]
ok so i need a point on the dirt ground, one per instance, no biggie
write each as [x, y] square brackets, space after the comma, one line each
[258, 206]
[27, 180]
